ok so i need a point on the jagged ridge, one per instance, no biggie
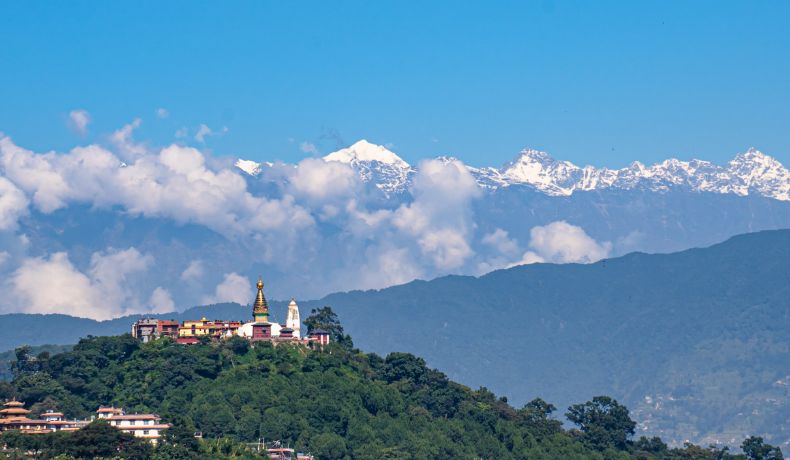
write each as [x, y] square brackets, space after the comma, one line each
[751, 172]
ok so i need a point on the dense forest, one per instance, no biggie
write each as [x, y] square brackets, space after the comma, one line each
[337, 403]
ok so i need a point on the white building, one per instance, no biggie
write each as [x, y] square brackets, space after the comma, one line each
[293, 321]
[147, 426]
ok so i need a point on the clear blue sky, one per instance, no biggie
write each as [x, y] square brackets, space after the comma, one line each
[593, 82]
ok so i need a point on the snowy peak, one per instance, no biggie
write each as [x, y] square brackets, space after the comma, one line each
[750, 172]
[544, 172]
[377, 165]
[754, 159]
[248, 166]
[756, 171]
[251, 167]
[364, 151]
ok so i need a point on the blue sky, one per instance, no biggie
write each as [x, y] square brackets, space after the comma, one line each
[602, 83]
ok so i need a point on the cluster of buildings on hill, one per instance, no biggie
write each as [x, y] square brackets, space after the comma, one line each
[259, 329]
[14, 416]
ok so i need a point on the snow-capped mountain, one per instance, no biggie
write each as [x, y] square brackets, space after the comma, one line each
[376, 164]
[250, 167]
[751, 172]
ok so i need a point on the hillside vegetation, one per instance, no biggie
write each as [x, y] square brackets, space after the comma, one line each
[337, 403]
[696, 343]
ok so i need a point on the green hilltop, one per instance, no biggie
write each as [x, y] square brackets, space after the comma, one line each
[337, 403]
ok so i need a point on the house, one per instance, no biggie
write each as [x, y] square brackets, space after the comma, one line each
[147, 329]
[147, 426]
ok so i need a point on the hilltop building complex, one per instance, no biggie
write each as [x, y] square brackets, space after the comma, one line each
[257, 330]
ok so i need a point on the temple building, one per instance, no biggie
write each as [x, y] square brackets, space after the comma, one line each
[14, 416]
[293, 321]
[261, 328]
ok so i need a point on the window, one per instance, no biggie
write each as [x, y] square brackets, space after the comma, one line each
[145, 432]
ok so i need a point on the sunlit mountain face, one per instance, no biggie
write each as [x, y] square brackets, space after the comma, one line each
[105, 230]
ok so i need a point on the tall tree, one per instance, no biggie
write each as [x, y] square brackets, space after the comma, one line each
[326, 319]
[756, 449]
[604, 422]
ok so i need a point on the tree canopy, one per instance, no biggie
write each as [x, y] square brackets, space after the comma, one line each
[337, 403]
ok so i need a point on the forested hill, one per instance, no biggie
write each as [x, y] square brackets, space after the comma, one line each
[337, 403]
[695, 342]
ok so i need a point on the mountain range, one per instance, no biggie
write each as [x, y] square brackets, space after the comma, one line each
[696, 343]
[750, 172]
[138, 229]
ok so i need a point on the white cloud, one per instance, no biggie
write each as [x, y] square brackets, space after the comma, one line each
[561, 242]
[387, 267]
[295, 219]
[447, 247]
[194, 271]
[529, 257]
[233, 288]
[79, 120]
[110, 271]
[308, 147]
[162, 113]
[204, 131]
[13, 204]
[55, 285]
[122, 139]
[501, 242]
[34, 174]
[317, 178]
[440, 215]
[176, 183]
[161, 301]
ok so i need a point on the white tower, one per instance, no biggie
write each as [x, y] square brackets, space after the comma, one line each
[293, 321]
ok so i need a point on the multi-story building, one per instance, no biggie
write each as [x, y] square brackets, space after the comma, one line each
[148, 426]
[192, 331]
[148, 329]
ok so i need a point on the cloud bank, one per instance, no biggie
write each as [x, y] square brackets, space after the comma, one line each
[125, 227]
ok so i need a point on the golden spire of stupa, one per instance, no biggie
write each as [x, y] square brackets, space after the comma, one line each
[260, 310]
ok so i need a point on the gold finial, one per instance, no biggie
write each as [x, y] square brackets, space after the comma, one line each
[260, 309]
